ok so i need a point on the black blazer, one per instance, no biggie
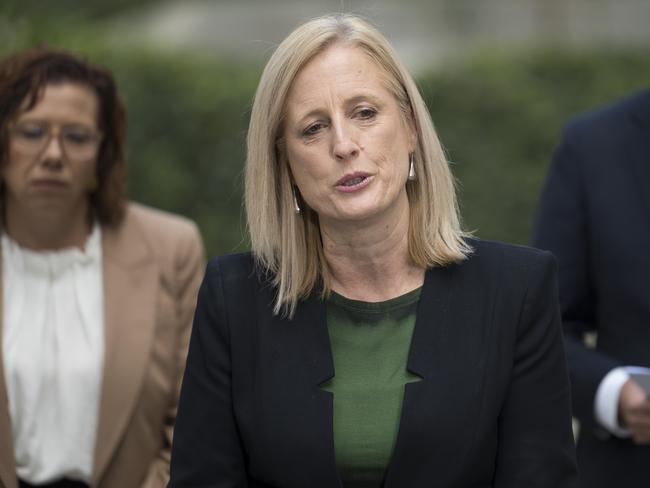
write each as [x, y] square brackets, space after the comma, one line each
[493, 409]
[594, 214]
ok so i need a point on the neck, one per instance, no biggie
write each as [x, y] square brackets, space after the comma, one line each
[43, 231]
[370, 261]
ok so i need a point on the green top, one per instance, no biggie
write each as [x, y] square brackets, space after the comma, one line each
[370, 345]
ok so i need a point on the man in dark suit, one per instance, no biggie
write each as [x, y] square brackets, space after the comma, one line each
[594, 215]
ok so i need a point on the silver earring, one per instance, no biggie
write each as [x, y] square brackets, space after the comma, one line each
[412, 176]
[296, 206]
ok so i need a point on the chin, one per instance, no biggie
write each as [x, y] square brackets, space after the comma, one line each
[359, 214]
[51, 205]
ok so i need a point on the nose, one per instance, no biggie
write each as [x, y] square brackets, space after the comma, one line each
[53, 151]
[345, 147]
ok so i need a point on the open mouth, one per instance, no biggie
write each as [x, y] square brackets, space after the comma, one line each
[354, 181]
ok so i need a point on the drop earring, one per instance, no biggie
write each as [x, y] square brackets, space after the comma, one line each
[412, 176]
[296, 205]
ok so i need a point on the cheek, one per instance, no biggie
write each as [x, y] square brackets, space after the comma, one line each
[306, 167]
[87, 174]
[306, 182]
[391, 156]
[14, 170]
[398, 153]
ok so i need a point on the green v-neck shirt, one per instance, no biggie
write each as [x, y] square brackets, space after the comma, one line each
[370, 346]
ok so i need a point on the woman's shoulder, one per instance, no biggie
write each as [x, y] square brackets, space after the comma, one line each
[239, 270]
[506, 259]
[156, 221]
[509, 275]
[236, 265]
[236, 282]
[146, 231]
[491, 250]
[164, 231]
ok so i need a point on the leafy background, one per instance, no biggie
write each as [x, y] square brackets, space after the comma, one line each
[498, 113]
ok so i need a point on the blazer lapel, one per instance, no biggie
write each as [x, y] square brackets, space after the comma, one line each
[639, 150]
[130, 289]
[426, 359]
[446, 353]
[322, 461]
[433, 422]
[303, 412]
[7, 461]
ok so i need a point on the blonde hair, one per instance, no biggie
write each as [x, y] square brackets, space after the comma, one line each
[289, 246]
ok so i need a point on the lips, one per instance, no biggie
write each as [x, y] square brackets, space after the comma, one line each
[48, 183]
[354, 181]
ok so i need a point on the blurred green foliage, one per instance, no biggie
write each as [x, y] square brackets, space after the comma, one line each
[187, 129]
[499, 117]
[57, 10]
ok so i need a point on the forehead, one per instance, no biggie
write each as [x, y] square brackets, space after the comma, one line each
[65, 102]
[340, 71]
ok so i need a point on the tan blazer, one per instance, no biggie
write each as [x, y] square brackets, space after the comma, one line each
[152, 266]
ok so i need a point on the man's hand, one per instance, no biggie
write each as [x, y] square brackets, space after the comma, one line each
[634, 411]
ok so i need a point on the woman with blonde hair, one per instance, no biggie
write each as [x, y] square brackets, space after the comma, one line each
[367, 341]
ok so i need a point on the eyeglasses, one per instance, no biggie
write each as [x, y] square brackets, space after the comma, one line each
[77, 142]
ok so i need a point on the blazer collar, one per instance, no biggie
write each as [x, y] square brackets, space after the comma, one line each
[448, 350]
[428, 358]
[130, 278]
[303, 343]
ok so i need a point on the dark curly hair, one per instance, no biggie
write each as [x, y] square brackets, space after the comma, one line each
[24, 76]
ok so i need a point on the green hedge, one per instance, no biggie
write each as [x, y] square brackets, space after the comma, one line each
[499, 117]
[187, 128]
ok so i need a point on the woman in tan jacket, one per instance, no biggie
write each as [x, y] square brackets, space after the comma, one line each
[97, 293]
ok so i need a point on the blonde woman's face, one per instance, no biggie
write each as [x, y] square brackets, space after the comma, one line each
[347, 141]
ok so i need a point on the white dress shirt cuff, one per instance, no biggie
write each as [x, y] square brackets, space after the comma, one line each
[606, 401]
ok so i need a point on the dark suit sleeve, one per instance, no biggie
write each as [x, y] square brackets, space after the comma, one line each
[562, 227]
[207, 451]
[535, 441]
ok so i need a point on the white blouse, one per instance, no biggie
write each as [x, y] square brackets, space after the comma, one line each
[53, 348]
